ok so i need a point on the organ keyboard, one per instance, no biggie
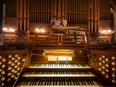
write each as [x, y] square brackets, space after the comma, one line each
[64, 82]
[65, 75]
[71, 66]
[58, 74]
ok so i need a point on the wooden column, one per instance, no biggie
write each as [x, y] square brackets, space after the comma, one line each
[92, 16]
[17, 13]
[59, 8]
[53, 7]
[98, 12]
[25, 15]
[96, 17]
[21, 14]
[4, 14]
[89, 19]
[63, 8]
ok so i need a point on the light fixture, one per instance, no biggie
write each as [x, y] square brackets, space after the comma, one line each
[37, 30]
[59, 52]
[10, 30]
[5, 29]
[40, 30]
[59, 58]
[107, 32]
[104, 31]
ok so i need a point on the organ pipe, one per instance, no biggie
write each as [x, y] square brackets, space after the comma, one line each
[88, 12]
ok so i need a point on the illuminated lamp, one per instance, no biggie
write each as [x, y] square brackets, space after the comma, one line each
[42, 30]
[104, 31]
[5, 29]
[107, 31]
[11, 30]
[37, 30]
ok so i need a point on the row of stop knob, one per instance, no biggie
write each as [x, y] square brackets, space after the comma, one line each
[12, 69]
[105, 65]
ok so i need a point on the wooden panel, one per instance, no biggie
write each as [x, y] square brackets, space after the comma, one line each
[12, 62]
[35, 59]
[104, 62]
[79, 56]
[93, 60]
[40, 11]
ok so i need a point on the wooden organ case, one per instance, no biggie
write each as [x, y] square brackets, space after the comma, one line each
[37, 52]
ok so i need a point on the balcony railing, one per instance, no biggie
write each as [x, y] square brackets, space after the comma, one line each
[49, 39]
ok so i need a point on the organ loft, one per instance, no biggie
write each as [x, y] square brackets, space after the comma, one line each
[67, 43]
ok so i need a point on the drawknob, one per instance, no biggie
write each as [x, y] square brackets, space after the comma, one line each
[9, 56]
[3, 60]
[18, 58]
[16, 55]
[0, 57]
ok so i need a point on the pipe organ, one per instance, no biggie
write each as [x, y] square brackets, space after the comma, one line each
[85, 13]
[57, 43]
[40, 11]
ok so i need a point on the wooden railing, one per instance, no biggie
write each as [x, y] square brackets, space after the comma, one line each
[57, 39]
[46, 39]
[50, 39]
[77, 40]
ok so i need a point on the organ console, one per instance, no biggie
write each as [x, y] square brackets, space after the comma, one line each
[59, 75]
[75, 54]
[57, 67]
